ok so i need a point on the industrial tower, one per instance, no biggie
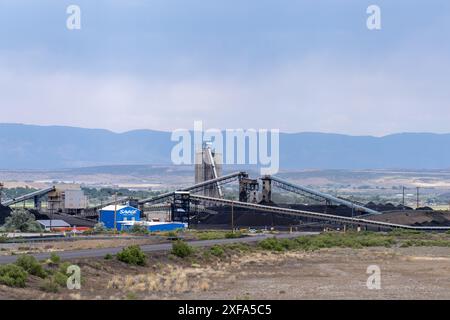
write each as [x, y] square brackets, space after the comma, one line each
[208, 165]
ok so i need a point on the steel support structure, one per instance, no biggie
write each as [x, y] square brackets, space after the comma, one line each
[319, 216]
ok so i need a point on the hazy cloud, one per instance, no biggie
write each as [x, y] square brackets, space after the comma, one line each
[282, 69]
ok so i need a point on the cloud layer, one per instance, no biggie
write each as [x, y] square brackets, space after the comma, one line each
[318, 78]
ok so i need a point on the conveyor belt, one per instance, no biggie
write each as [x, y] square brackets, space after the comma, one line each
[316, 215]
[288, 186]
[196, 187]
[28, 196]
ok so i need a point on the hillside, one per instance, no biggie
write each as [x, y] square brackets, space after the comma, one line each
[57, 147]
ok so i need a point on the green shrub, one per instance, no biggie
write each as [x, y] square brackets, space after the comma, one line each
[406, 232]
[210, 235]
[3, 238]
[132, 255]
[13, 275]
[54, 258]
[60, 278]
[99, 228]
[271, 244]
[403, 238]
[108, 256]
[63, 267]
[181, 249]
[238, 246]
[217, 251]
[172, 234]
[406, 244]
[138, 229]
[49, 285]
[328, 240]
[233, 235]
[131, 296]
[31, 265]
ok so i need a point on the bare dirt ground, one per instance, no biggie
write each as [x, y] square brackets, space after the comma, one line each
[406, 273]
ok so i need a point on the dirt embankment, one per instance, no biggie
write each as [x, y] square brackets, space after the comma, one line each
[406, 273]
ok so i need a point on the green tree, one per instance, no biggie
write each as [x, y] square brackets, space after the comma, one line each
[100, 227]
[23, 221]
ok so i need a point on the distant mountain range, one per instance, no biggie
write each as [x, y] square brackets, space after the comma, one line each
[58, 147]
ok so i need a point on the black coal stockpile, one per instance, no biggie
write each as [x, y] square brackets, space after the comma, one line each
[387, 207]
[37, 214]
[251, 219]
[4, 213]
[248, 218]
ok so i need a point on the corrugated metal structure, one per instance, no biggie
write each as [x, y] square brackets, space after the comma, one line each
[67, 198]
[208, 166]
[122, 215]
[155, 226]
[75, 199]
[53, 224]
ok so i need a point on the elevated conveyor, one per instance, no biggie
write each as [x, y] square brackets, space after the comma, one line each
[304, 191]
[29, 196]
[315, 215]
[197, 187]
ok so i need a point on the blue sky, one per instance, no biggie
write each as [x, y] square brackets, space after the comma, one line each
[291, 65]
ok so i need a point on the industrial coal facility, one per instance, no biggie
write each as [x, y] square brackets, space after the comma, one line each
[205, 205]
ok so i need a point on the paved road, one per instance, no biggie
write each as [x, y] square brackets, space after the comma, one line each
[100, 253]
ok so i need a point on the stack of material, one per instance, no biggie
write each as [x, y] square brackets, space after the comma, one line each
[415, 217]
[4, 213]
[247, 218]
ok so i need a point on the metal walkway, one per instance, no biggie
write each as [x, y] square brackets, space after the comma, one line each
[288, 186]
[316, 215]
[197, 187]
[28, 196]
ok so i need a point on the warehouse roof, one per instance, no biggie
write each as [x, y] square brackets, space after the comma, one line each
[112, 207]
[54, 223]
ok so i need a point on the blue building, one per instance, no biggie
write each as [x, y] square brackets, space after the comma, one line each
[156, 226]
[123, 214]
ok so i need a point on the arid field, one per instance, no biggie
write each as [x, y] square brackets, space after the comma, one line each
[413, 266]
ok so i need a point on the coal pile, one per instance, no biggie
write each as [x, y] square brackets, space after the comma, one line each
[330, 209]
[244, 218]
[381, 207]
[4, 213]
[247, 218]
[415, 218]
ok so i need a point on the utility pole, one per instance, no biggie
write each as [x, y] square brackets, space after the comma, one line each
[51, 203]
[417, 198]
[115, 212]
[403, 202]
[232, 216]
